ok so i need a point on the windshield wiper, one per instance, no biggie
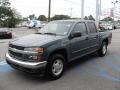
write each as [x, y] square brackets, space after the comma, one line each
[50, 33]
[38, 33]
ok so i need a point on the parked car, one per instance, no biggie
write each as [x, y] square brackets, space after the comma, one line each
[57, 43]
[5, 33]
[101, 26]
[117, 26]
[34, 24]
[108, 27]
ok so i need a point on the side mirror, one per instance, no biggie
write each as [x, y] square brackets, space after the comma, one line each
[76, 34]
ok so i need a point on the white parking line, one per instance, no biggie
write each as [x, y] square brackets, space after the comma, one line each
[2, 63]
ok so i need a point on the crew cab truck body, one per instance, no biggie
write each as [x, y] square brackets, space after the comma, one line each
[56, 44]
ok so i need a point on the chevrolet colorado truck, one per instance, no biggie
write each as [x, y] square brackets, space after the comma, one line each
[55, 45]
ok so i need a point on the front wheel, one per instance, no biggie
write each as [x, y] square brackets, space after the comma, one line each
[55, 67]
[103, 50]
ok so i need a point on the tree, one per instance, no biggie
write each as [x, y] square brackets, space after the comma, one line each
[4, 3]
[86, 18]
[32, 16]
[60, 17]
[8, 17]
[42, 18]
[107, 19]
[25, 19]
[91, 18]
[5, 15]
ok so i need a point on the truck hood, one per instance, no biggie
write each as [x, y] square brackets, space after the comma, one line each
[34, 40]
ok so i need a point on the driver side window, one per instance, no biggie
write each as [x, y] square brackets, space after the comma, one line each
[80, 27]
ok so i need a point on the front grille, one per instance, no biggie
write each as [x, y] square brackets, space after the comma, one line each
[15, 54]
[16, 47]
[18, 56]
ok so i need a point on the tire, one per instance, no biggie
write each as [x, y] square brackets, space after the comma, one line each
[29, 27]
[103, 50]
[10, 36]
[50, 72]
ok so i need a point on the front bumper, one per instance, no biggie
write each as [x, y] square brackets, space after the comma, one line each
[17, 64]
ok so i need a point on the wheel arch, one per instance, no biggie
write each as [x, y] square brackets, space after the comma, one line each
[105, 40]
[62, 51]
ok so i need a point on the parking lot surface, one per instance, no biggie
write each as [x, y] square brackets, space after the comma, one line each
[87, 73]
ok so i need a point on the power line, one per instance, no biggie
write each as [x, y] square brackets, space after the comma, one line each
[71, 9]
[78, 4]
[72, 2]
[82, 4]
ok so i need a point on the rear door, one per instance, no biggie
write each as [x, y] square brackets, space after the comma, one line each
[93, 37]
[79, 45]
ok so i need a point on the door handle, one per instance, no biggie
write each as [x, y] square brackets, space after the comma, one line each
[97, 36]
[87, 38]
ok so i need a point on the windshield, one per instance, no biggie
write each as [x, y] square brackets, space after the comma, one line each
[55, 27]
[3, 29]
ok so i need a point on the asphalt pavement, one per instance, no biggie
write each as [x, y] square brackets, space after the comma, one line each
[88, 73]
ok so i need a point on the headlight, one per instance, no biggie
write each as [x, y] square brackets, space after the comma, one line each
[38, 56]
[39, 50]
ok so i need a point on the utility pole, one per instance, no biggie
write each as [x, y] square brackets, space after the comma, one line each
[71, 12]
[97, 11]
[114, 3]
[100, 9]
[82, 9]
[49, 11]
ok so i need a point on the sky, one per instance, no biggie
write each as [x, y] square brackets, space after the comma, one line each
[40, 7]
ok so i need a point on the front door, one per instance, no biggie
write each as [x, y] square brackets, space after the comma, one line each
[79, 45]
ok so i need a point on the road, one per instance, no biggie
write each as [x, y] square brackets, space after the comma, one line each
[88, 73]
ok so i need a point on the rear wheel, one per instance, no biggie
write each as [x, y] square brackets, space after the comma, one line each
[103, 50]
[9, 36]
[55, 67]
[29, 27]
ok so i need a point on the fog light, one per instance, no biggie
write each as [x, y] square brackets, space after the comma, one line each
[39, 58]
[33, 57]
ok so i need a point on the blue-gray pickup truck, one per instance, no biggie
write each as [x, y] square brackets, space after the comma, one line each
[55, 45]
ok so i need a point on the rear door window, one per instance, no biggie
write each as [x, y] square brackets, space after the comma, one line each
[92, 27]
